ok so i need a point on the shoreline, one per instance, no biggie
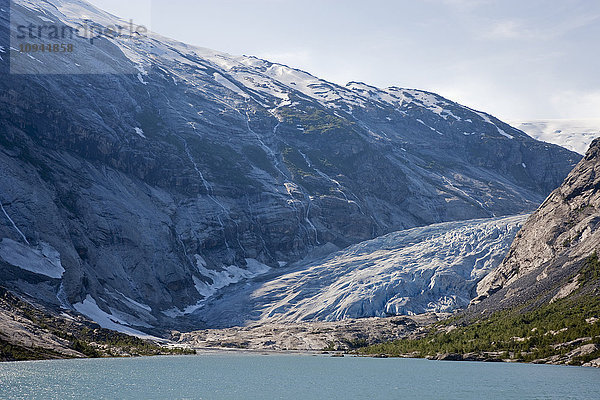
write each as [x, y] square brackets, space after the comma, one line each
[339, 354]
[203, 351]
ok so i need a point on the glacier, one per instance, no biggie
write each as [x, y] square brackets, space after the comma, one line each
[573, 134]
[429, 269]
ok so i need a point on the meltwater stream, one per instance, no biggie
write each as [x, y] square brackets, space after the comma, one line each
[250, 376]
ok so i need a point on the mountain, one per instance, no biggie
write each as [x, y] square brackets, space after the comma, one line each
[139, 176]
[575, 135]
[542, 304]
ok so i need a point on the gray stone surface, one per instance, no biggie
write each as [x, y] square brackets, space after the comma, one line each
[309, 336]
[544, 261]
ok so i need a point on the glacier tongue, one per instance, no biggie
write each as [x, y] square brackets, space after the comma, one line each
[433, 268]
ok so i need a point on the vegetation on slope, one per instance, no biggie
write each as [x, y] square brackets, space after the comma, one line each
[13, 352]
[315, 121]
[563, 331]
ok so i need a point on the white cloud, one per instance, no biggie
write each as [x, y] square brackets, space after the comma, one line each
[576, 104]
[510, 29]
[529, 29]
[465, 4]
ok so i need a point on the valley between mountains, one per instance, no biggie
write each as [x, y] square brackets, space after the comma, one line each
[227, 201]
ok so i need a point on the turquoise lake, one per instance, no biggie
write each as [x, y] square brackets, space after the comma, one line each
[251, 376]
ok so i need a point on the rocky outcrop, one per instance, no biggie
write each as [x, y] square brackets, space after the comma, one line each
[309, 336]
[29, 331]
[21, 337]
[548, 254]
[135, 197]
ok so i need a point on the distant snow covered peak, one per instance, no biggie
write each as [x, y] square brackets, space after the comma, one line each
[573, 134]
[434, 103]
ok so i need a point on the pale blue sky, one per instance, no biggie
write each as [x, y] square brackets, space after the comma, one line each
[517, 59]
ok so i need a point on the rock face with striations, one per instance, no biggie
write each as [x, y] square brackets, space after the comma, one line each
[133, 198]
[548, 253]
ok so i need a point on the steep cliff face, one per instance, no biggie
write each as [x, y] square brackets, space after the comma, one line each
[556, 242]
[134, 197]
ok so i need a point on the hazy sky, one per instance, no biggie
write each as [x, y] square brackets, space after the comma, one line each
[517, 59]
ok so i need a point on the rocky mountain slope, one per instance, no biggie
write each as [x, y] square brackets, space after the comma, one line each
[28, 331]
[547, 256]
[133, 197]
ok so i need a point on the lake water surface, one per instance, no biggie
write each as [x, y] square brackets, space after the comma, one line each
[251, 376]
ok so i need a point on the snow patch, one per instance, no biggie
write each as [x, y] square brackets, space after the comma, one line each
[229, 275]
[140, 132]
[90, 309]
[229, 85]
[135, 303]
[220, 279]
[141, 69]
[430, 127]
[43, 259]
[489, 121]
